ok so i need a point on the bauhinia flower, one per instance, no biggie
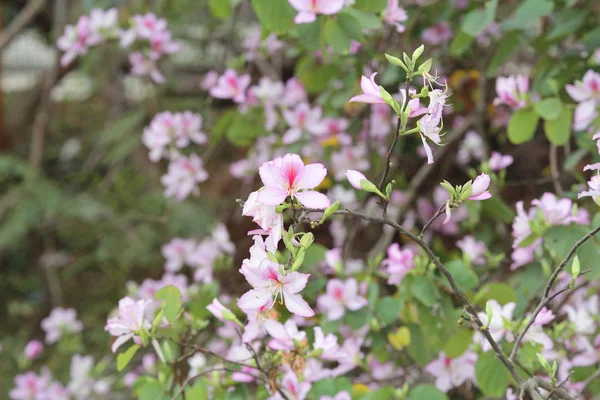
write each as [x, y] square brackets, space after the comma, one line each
[33, 349]
[398, 263]
[270, 283]
[371, 91]
[220, 312]
[308, 9]
[59, 322]
[231, 86]
[359, 181]
[129, 323]
[499, 162]
[480, 188]
[288, 176]
[587, 94]
[594, 192]
[395, 15]
[302, 118]
[283, 335]
[452, 372]
[512, 91]
[341, 295]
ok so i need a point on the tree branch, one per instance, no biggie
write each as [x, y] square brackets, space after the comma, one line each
[28, 13]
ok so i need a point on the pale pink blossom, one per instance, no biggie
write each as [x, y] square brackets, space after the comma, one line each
[143, 27]
[231, 86]
[585, 113]
[288, 176]
[30, 386]
[355, 178]
[328, 344]
[472, 147]
[594, 189]
[292, 387]
[217, 309]
[269, 283]
[398, 263]
[380, 121]
[144, 66]
[302, 118]
[177, 253]
[60, 321]
[480, 188]
[496, 326]
[283, 335]
[308, 9]
[340, 296]
[395, 15]
[437, 34]
[210, 80]
[129, 323]
[586, 89]
[498, 162]
[104, 23]
[510, 395]
[452, 372]
[162, 43]
[183, 176]
[266, 216]
[33, 349]
[556, 211]
[545, 316]
[474, 249]
[430, 128]
[76, 40]
[295, 93]
[371, 91]
[512, 91]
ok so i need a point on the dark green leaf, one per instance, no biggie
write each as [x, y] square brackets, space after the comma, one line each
[492, 377]
[365, 19]
[464, 277]
[477, 20]
[310, 34]
[351, 26]
[460, 43]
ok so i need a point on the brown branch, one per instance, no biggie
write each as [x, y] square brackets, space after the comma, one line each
[27, 14]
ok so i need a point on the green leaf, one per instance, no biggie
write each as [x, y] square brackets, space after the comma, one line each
[310, 34]
[522, 124]
[351, 26]
[591, 40]
[424, 290]
[314, 76]
[549, 109]
[460, 43]
[500, 292]
[426, 392]
[313, 256]
[220, 8]
[387, 310]
[357, 319]
[374, 6]
[197, 392]
[558, 131]
[383, 393]
[559, 240]
[336, 36]
[240, 393]
[172, 298]
[365, 19]
[275, 15]
[124, 358]
[527, 14]
[496, 208]
[477, 20]
[465, 278]
[492, 377]
[566, 22]
[150, 389]
[244, 130]
[419, 349]
[506, 47]
[458, 343]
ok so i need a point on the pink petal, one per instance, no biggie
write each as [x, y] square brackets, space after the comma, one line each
[367, 98]
[312, 177]
[297, 305]
[330, 7]
[121, 340]
[271, 175]
[255, 299]
[312, 199]
[272, 196]
[427, 150]
[305, 17]
[291, 136]
[294, 282]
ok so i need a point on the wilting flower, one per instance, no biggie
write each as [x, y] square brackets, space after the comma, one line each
[398, 263]
[480, 188]
[452, 372]
[308, 9]
[59, 322]
[512, 91]
[183, 175]
[231, 86]
[288, 176]
[130, 322]
[339, 296]
[371, 91]
[269, 284]
[499, 162]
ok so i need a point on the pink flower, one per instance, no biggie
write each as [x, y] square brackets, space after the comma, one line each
[327, 343]
[545, 316]
[585, 113]
[395, 15]
[288, 176]
[30, 386]
[129, 323]
[103, 22]
[269, 283]
[480, 188]
[291, 386]
[398, 263]
[371, 91]
[308, 9]
[231, 86]
[556, 211]
[210, 80]
[217, 309]
[355, 177]
[283, 334]
[497, 325]
[266, 216]
[499, 162]
[143, 66]
[340, 296]
[76, 40]
[59, 322]
[162, 43]
[452, 372]
[33, 349]
[437, 34]
[177, 253]
[587, 89]
[350, 157]
[474, 249]
[183, 176]
[594, 192]
[295, 93]
[512, 91]
[302, 118]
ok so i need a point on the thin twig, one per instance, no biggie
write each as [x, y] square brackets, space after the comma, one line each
[27, 14]
[439, 212]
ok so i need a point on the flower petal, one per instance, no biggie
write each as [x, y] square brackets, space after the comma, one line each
[272, 196]
[255, 299]
[312, 199]
[312, 177]
[297, 305]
